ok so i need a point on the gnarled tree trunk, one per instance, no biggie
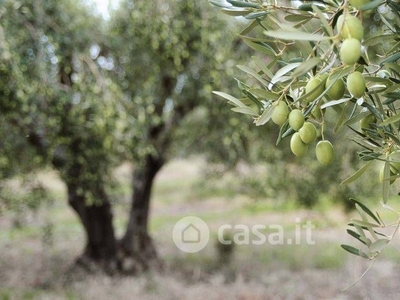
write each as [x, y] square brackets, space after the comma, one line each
[137, 242]
[101, 249]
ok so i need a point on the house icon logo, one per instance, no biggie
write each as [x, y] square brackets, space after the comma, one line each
[191, 234]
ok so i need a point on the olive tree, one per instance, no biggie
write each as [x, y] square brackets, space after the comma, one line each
[56, 102]
[169, 56]
[326, 58]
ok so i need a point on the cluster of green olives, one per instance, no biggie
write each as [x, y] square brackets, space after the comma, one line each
[305, 134]
[352, 32]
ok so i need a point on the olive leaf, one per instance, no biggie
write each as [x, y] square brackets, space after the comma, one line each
[378, 245]
[295, 35]
[266, 115]
[230, 98]
[354, 251]
[366, 209]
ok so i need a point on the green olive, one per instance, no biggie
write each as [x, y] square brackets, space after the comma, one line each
[325, 153]
[356, 84]
[366, 122]
[280, 114]
[314, 88]
[350, 51]
[308, 133]
[296, 119]
[298, 147]
[350, 27]
[337, 89]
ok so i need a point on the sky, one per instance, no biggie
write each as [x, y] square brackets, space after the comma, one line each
[102, 6]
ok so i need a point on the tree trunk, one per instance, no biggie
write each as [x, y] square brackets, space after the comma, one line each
[97, 220]
[137, 242]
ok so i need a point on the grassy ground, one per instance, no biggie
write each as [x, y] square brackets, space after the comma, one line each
[36, 259]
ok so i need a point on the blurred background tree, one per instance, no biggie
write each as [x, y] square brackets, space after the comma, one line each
[166, 70]
[58, 104]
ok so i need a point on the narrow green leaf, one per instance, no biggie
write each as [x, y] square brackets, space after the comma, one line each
[363, 223]
[232, 99]
[377, 79]
[335, 102]
[390, 100]
[246, 110]
[253, 73]
[391, 120]
[386, 183]
[288, 132]
[363, 237]
[286, 69]
[322, 18]
[263, 67]
[249, 28]
[342, 117]
[365, 219]
[295, 35]
[357, 174]
[253, 98]
[354, 251]
[219, 3]
[363, 215]
[355, 235]
[395, 95]
[267, 95]
[235, 12]
[260, 47]
[351, 249]
[266, 115]
[298, 18]
[373, 110]
[284, 128]
[356, 118]
[391, 59]
[366, 209]
[243, 4]
[256, 14]
[306, 66]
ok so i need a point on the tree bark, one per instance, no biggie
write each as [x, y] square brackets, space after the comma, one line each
[137, 242]
[101, 249]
